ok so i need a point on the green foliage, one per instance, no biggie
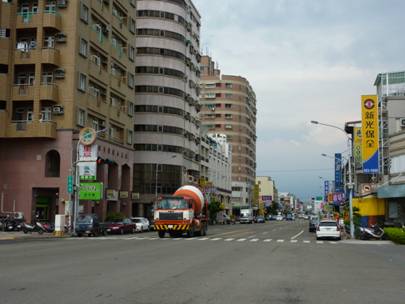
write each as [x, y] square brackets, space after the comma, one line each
[114, 216]
[397, 235]
[214, 207]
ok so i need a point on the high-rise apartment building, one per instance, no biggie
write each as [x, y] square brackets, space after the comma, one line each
[167, 87]
[65, 65]
[229, 107]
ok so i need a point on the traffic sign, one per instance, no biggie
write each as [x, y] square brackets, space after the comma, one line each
[70, 184]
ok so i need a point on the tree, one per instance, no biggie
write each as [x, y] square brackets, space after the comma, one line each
[214, 207]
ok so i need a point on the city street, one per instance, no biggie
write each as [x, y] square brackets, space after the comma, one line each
[275, 262]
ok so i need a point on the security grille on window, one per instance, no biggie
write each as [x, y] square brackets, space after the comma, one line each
[81, 118]
[82, 82]
[84, 13]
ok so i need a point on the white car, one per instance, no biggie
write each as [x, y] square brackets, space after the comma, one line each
[142, 223]
[328, 229]
[279, 217]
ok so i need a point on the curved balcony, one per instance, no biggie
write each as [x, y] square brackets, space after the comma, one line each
[23, 92]
[49, 91]
[32, 129]
[28, 20]
[53, 20]
[50, 56]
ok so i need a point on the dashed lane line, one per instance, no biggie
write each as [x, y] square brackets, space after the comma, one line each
[293, 241]
[229, 240]
[306, 241]
[216, 239]
[319, 242]
[241, 240]
[254, 240]
[203, 239]
[267, 240]
[280, 241]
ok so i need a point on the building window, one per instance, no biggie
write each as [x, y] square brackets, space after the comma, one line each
[129, 137]
[132, 25]
[131, 80]
[84, 13]
[83, 47]
[131, 109]
[47, 78]
[82, 82]
[4, 33]
[81, 118]
[131, 53]
[52, 164]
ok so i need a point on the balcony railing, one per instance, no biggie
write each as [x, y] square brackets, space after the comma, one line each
[31, 129]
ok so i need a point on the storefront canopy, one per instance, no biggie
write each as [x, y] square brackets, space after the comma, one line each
[391, 191]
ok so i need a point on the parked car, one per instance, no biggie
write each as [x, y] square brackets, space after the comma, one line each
[313, 223]
[279, 217]
[90, 225]
[328, 229]
[260, 219]
[142, 223]
[121, 226]
[289, 217]
[271, 217]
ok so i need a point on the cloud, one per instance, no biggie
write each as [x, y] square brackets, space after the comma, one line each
[306, 60]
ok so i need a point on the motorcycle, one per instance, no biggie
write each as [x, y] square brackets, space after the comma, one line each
[374, 232]
[37, 227]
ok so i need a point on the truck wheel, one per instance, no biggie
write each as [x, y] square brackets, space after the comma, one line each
[161, 234]
[190, 233]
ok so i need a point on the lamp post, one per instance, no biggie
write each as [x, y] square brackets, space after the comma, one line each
[156, 174]
[350, 183]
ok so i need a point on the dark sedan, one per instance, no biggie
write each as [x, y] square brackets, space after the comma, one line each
[121, 226]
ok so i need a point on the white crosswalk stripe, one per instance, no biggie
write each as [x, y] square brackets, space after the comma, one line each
[280, 241]
[229, 240]
[332, 242]
[319, 242]
[293, 241]
[267, 240]
[254, 240]
[306, 241]
[241, 240]
[203, 239]
[216, 239]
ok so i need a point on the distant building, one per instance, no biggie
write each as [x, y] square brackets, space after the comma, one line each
[228, 106]
[216, 168]
[268, 192]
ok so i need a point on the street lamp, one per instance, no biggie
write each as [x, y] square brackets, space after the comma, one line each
[156, 174]
[350, 184]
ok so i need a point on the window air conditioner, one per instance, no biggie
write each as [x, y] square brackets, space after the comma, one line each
[58, 110]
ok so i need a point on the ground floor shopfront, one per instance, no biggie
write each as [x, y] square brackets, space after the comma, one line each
[394, 196]
[34, 173]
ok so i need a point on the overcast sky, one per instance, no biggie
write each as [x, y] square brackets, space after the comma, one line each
[306, 60]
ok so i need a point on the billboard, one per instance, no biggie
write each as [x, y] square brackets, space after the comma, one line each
[369, 131]
[91, 191]
[338, 172]
[358, 160]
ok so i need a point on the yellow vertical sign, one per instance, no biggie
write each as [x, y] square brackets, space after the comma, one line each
[369, 132]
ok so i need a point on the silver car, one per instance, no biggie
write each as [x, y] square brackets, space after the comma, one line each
[142, 223]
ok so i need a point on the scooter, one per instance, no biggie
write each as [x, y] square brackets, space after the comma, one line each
[374, 232]
[37, 227]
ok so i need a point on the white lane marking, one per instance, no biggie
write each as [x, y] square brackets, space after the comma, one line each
[139, 238]
[152, 238]
[297, 235]
[293, 241]
[241, 240]
[254, 240]
[191, 239]
[216, 239]
[203, 239]
[280, 241]
[306, 241]
[177, 239]
[332, 242]
[229, 240]
[319, 242]
[267, 240]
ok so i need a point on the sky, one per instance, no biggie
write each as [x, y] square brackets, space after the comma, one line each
[306, 60]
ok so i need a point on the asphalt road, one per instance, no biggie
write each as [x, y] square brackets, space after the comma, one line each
[261, 263]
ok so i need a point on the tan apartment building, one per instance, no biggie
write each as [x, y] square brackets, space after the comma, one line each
[166, 111]
[65, 65]
[268, 192]
[228, 106]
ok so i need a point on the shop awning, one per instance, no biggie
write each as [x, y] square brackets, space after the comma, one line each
[389, 191]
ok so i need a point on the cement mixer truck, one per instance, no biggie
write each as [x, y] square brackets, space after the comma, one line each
[184, 212]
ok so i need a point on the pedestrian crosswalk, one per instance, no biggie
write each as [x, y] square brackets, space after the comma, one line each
[252, 239]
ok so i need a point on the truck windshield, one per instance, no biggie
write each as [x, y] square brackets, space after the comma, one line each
[172, 204]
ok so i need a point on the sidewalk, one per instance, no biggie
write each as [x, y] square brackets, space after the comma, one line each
[19, 235]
